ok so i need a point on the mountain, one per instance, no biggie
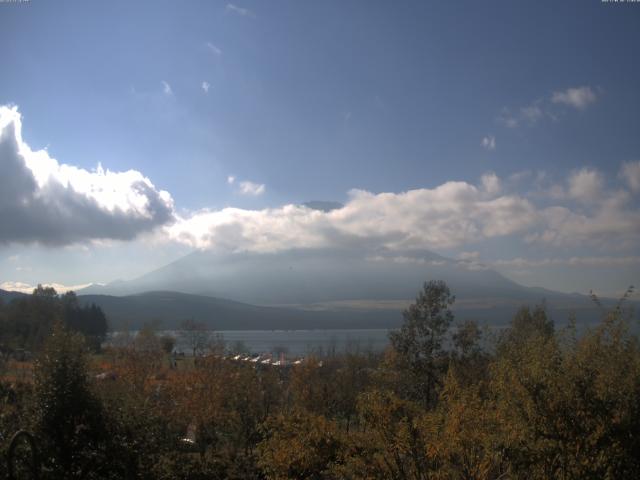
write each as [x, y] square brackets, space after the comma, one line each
[171, 308]
[6, 296]
[340, 287]
[302, 277]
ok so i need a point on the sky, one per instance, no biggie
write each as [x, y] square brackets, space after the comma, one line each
[504, 133]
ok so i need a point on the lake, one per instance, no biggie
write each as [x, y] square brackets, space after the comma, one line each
[295, 342]
[303, 342]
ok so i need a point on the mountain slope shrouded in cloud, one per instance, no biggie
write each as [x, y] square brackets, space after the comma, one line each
[169, 309]
[345, 287]
[308, 276]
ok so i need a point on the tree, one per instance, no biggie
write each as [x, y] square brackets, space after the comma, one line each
[195, 335]
[526, 325]
[300, 445]
[570, 408]
[167, 342]
[466, 338]
[418, 343]
[391, 441]
[468, 361]
[30, 319]
[68, 418]
[89, 320]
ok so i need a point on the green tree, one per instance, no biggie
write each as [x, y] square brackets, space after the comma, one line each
[89, 320]
[418, 344]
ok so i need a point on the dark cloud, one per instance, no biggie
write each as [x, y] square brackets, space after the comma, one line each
[70, 205]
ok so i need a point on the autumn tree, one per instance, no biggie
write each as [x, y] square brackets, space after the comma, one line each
[391, 442]
[299, 445]
[569, 408]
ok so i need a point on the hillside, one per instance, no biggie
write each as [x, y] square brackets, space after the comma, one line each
[171, 308]
[6, 296]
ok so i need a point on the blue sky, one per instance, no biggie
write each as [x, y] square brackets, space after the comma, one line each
[313, 99]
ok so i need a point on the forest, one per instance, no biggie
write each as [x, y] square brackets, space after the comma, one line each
[445, 400]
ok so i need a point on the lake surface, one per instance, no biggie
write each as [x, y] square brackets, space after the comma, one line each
[294, 342]
[300, 343]
[304, 342]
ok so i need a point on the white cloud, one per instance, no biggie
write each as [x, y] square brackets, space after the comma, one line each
[609, 226]
[577, 97]
[166, 88]
[586, 185]
[246, 187]
[528, 114]
[630, 173]
[491, 183]
[27, 288]
[205, 86]
[451, 214]
[250, 188]
[244, 12]
[603, 261]
[507, 118]
[405, 259]
[489, 142]
[532, 112]
[44, 201]
[469, 256]
[214, 49]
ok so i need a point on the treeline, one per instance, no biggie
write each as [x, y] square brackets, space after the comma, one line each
[26, 322]
[535, 403]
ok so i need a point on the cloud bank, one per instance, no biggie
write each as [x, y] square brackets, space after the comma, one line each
[450, 215]
[50, 203]
[447, 216]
